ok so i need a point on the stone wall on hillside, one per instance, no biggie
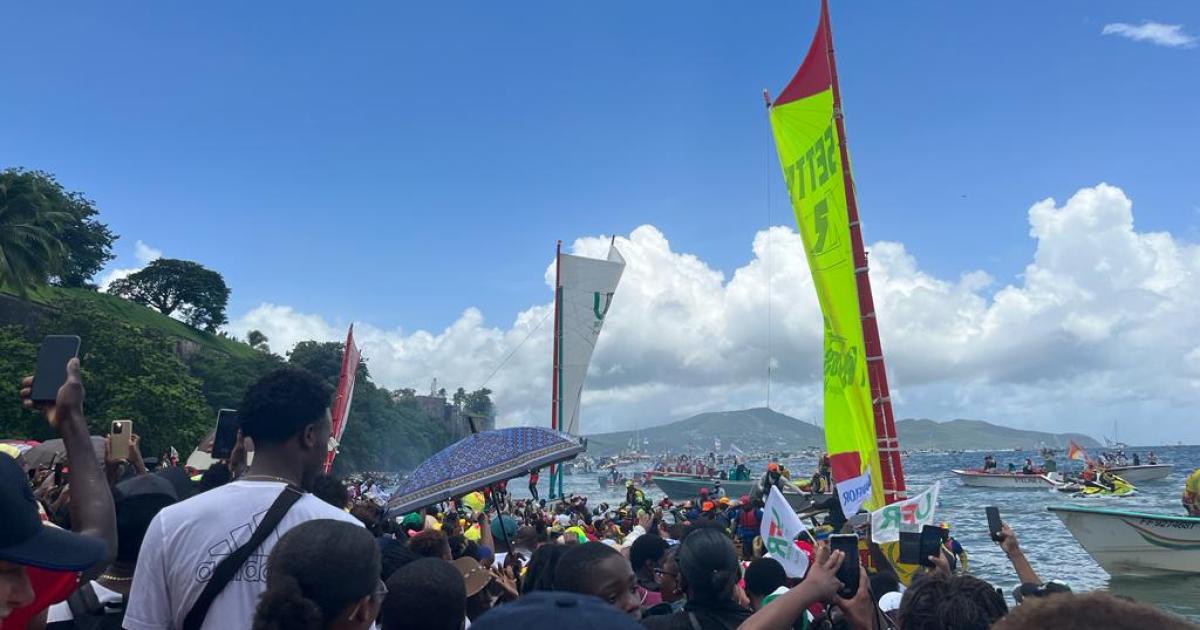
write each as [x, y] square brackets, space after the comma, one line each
[17, 312]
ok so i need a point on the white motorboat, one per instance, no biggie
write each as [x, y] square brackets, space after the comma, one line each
[1143, 473]
[1138, 544]
[1007, 480]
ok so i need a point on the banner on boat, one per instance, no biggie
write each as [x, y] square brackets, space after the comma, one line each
[806, 139]
[852, 493]
[586, 288]
[779, 529]
[904, 516]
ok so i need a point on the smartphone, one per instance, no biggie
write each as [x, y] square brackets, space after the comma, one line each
[51, 370]
[226, 435]
[847, 574]
[995, 525]
[119, 438]
[910, 548]
[58, 473]
[931, 543]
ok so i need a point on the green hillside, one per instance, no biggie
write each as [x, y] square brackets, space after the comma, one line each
[969, 434]
[138, 315]
[760, 429]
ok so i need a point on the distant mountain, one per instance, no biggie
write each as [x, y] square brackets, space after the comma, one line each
[758, 429]
[761, 429]
[964, 434]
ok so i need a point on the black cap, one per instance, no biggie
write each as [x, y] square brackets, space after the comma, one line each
[144, 486]
[546, 610]
[26, 541]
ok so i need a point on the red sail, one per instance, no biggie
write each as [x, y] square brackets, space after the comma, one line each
[340, 410]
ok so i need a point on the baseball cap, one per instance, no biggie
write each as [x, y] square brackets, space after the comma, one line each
[546, 610]
[23, 538]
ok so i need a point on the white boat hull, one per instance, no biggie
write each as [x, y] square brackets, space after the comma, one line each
[1135, 544]
[1008, 481]
[1143, 473]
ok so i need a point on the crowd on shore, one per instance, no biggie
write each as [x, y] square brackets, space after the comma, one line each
[277, 544]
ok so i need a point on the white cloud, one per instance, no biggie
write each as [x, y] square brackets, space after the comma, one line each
[1169, 35]
[142, 253]
[1101, 327]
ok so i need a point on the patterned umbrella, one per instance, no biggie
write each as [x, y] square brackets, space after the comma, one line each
[482, 459]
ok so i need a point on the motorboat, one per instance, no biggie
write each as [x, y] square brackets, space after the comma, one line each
[1138, 544]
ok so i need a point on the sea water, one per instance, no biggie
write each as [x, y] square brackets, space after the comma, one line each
[1048, 545]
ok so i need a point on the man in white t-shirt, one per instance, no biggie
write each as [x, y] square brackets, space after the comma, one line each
[286, 413]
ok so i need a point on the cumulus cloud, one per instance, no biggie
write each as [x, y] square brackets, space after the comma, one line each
[142, 253]
[1100, 328]
[1169, 35]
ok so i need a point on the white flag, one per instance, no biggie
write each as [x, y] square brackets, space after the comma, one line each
[853, 492]
[904, 516]
[779, 529]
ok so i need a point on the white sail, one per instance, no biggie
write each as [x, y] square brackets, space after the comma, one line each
[586, 287]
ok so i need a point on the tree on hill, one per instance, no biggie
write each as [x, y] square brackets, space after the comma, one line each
[258, 341]
[479, 402]
[168, 285]
[49, 233]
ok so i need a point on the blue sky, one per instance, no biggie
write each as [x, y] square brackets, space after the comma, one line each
[399, 164]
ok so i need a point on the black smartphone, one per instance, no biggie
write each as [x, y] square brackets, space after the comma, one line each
[847, 573]
[995, 525]
[226, 435]
[58, 473]
[931, 543]
[910, 548]
[51, 370]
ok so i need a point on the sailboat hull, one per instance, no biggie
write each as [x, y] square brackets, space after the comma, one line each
[1135, 544]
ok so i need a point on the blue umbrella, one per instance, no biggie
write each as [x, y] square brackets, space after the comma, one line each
[479, 460]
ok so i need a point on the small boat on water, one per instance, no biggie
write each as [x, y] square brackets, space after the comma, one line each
[1138, 544]
[1143, 473]
[1118, 488]
[685, 488]
[1006, 480]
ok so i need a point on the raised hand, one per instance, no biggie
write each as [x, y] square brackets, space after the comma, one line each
[860, 609]
[822, 573]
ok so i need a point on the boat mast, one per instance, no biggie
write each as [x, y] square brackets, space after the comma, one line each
[885, 427]
[554, 374]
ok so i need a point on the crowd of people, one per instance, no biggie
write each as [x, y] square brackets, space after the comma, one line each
[277, 544]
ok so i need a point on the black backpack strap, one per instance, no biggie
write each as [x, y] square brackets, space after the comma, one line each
[86, 609]
[227, 568]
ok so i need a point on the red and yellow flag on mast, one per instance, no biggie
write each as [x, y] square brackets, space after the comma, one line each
[810, 140]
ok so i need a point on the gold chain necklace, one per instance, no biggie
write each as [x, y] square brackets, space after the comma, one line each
[113, 578]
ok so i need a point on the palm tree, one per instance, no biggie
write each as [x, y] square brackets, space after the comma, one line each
[30, 251]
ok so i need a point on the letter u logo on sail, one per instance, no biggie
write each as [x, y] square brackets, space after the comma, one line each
[597, 303]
